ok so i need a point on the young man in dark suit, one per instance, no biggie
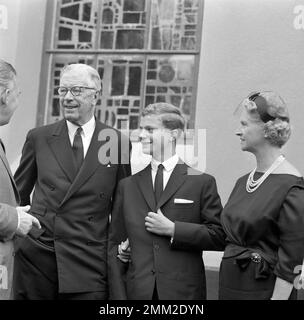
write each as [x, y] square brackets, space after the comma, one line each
[169, 213]
[74, 179]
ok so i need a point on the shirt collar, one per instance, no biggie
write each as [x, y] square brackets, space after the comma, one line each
[87, 128]
[168, 164]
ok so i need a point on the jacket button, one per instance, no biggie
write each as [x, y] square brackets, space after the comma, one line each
[101, 195]
[156, 246]
[153, 271]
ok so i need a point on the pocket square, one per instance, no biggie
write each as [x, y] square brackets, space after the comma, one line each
[108, 166]
[182, 201]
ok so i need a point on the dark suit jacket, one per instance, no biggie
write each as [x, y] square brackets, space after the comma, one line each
[177, 268]
[73, 210]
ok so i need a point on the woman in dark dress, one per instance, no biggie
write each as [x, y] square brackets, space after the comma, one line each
[264, 216]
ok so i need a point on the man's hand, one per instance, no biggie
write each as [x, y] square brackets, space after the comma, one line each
[124, 251]
[26, 221]
[159, 224]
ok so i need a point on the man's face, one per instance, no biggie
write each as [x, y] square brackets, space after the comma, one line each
[78, 109]
[10, 97]
[156, 140]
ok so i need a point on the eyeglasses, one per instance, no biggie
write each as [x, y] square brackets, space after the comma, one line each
[75, 91]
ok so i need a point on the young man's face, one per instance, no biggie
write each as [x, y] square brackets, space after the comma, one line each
[156, 140]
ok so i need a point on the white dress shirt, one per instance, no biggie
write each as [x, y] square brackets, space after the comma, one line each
[169, 166]
[86, 134]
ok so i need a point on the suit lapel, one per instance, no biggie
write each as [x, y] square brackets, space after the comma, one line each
[177, 178]
[144, 182]
[60, 145]
[90, 163]
[6, 164]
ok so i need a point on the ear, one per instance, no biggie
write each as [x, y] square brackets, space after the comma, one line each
[174, 134]
[4, 96]
[97, 94]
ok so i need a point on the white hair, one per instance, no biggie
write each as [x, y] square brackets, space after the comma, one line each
[93, 74]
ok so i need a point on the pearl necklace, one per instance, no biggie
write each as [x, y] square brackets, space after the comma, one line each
[252, 184]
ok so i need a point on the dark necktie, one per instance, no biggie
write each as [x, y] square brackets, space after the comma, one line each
[2, 145]
[78, 149]
[159, 183]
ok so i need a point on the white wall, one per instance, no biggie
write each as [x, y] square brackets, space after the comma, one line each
[247, 45]
[21, 44]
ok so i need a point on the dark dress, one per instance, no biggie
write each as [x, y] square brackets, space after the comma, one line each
[265, 236]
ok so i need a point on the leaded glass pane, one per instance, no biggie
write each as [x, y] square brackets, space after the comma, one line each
[174, 24]
[170, 79]
[123, 24]
[122, 90]
[76, 25]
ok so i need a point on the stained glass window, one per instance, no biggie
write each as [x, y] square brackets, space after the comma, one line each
[76, 24]
[145, 51]
[123, 24]
[174, 24]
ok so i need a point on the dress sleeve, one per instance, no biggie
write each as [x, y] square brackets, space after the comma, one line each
[291, 232]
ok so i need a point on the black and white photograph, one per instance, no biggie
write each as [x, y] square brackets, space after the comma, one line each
[151, 154]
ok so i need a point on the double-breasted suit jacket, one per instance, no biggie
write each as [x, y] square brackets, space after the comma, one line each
[9, 198]
[72, 207]
[176, 268]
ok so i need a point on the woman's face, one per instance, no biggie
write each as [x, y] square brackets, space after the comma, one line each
[251, 132]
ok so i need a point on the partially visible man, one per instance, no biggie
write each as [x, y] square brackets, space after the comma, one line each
[13, 220]
[169, 213]
[74, 166]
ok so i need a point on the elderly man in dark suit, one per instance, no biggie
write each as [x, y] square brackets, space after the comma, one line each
[169, 213]
[13, 220]
[74, 166]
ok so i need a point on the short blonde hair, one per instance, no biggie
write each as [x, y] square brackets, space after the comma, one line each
[171, 116]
